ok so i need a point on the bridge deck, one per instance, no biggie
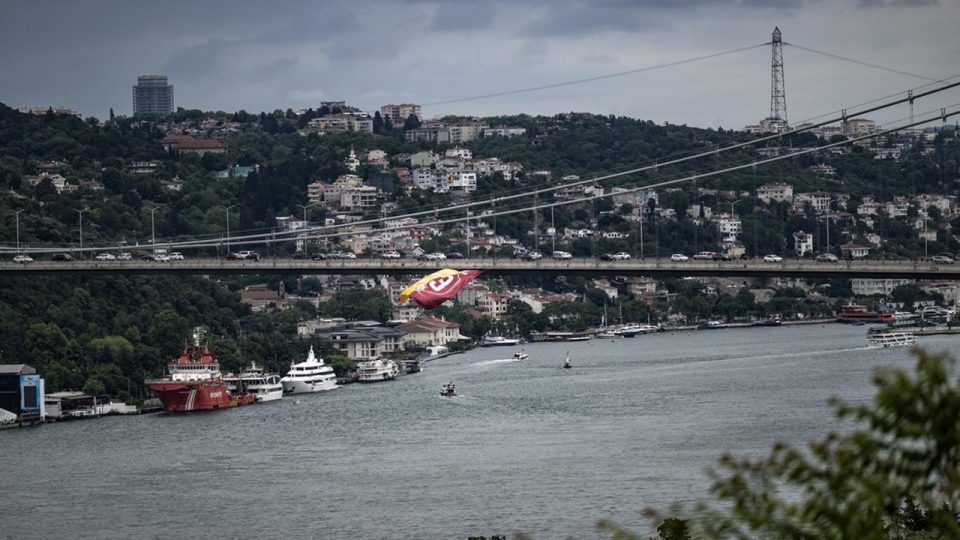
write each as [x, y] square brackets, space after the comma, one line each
[585, 267]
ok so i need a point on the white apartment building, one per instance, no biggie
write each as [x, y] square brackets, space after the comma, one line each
[802, 243]
[775, 192]
[867, 287]
[819, 200]
[398, 114]
[856, 127]
[730, 227]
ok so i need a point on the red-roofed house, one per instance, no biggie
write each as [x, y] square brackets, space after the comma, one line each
[200, 147]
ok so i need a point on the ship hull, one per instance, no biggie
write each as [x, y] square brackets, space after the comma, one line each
[178, 397]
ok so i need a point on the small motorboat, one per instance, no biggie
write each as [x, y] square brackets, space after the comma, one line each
[448, 390]
[520, 355]
[566, 362]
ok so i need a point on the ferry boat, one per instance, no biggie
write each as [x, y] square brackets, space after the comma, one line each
[311, 375]
[499, 341]
[860, 314]
[377, 370]
[891, 338]
[264, 387]
[196, 384]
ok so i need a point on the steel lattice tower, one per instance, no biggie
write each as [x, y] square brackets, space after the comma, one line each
[778, 96]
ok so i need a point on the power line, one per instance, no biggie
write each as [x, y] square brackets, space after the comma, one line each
[860, 62]
[592, 79]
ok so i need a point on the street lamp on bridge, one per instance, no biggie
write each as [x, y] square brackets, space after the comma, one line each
[228, 225]
[153, 229]
[17, 212]
[306, 251]
[80, 216]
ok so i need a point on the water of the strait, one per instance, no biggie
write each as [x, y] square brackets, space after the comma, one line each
[526, 446]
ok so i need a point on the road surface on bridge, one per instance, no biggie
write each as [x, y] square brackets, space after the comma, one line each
[504, 266]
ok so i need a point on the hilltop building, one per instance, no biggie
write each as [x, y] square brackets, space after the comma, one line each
[152, 95]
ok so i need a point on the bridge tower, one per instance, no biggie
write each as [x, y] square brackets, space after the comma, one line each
[778, 96]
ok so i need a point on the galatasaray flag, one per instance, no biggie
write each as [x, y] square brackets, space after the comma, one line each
[438, 287]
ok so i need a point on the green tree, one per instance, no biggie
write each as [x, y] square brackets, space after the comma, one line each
[45, 343]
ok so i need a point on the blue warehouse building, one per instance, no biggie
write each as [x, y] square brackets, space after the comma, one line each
[21, 395]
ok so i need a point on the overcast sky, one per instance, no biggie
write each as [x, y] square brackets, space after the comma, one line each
[253, 55]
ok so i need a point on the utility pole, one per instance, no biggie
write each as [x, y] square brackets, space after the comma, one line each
[641, 232]
[467, 235]
[17, 212]
[80, 214]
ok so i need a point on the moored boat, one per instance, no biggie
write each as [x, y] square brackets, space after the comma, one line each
[195, 383]
[499, 341]
[263, 386]
[311, 375]
[377, 370]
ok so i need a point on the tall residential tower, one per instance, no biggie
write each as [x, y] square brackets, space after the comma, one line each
[152, 95]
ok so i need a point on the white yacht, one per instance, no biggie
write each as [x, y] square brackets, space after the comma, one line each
[520, 355]
[377, 370]
[311, 375]
[891, 338]
[264, 387]
[499, 341]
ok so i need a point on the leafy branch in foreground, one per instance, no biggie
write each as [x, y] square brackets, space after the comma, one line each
[894, 477]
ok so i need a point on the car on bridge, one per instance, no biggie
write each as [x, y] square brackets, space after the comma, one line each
[706, 256]
[679, 257]
[61, 257]
[243, 256]
[562, 255]
[391, 255]
[124, 257]
[827, 257]
[454, 255]
[176, 256]
[156, 257]
[342, 255]
[532, 256]
[772, 258]
[106, 257]
[941, 259]
[618, 256]
[23, 259]
[435, 256]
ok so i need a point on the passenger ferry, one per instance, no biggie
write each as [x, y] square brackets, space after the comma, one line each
[890, 338]
[855, 313]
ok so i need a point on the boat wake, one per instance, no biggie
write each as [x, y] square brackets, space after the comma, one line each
[498, 361]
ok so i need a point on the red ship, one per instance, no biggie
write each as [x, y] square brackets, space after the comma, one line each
[196, 384]
[854, 313]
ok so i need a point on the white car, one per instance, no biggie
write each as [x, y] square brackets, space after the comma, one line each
[106, 257]
[439, 256]
[23, 259]
[161, 258]
[124, 257]
[391, 255]
[176, 256]
[620, 256]
[679, 257]
[772, 258]
[562, 255]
